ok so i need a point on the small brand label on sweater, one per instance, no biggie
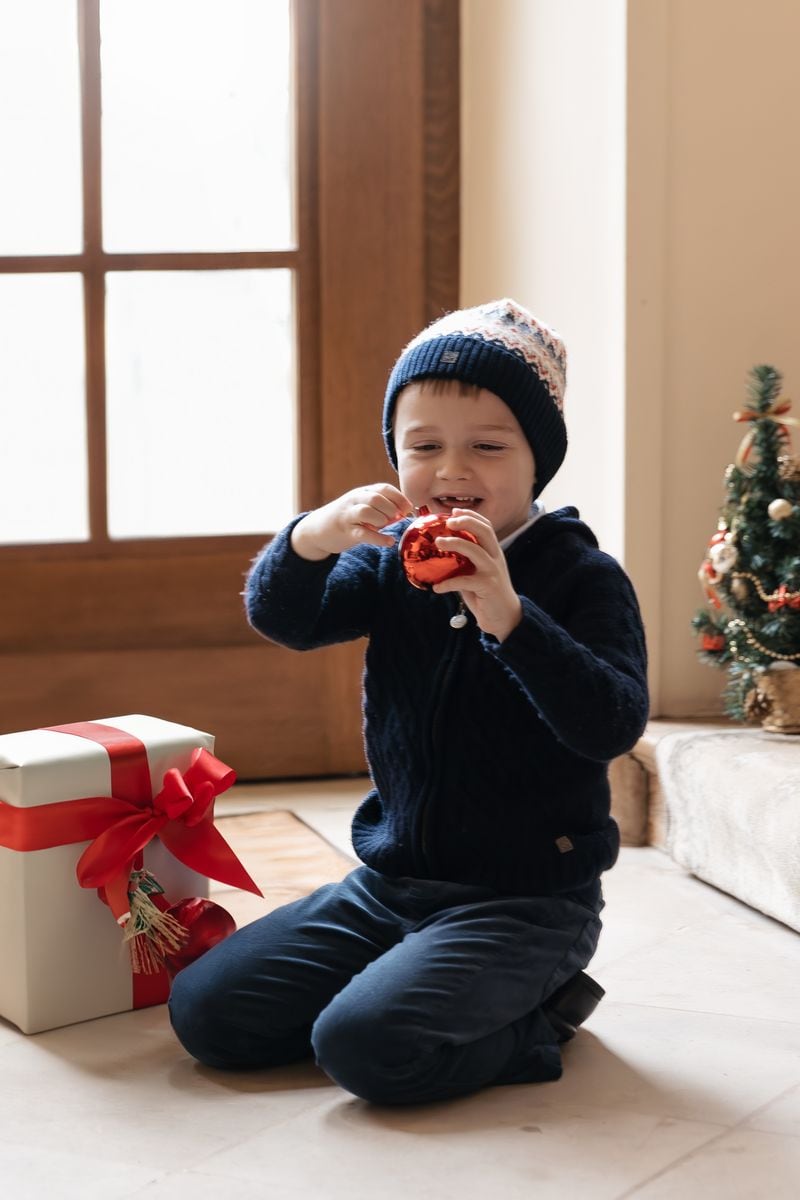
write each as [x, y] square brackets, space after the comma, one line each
[564, 844]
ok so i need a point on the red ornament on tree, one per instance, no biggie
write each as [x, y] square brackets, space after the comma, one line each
[423, 563]
[206, 922]
[712, 642]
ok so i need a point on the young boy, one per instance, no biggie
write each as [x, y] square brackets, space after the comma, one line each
[452, 958]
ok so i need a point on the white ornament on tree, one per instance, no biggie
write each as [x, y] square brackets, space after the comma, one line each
[780, 509]
[723, 556]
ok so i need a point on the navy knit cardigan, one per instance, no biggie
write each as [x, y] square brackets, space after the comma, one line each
[488, 759]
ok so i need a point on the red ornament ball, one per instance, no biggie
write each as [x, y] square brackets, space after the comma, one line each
[207, 923]
[712, 643]
[423, 563]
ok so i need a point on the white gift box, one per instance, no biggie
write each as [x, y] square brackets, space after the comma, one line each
[63, 955]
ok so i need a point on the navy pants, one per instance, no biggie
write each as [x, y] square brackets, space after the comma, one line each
[405, 990]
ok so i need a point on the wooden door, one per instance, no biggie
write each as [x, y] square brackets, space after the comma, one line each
[105, 624]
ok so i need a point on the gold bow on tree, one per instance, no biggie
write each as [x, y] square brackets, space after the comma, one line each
[776, 412]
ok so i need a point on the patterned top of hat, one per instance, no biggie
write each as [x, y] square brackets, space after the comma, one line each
[509, 325]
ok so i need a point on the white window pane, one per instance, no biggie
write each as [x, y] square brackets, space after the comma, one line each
[197, 148]
[40, 195]
[200, 402]
[43, 479]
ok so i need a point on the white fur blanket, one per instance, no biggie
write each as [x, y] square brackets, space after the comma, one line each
[732, 800]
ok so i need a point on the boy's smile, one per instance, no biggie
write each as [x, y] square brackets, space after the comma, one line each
[463, 447]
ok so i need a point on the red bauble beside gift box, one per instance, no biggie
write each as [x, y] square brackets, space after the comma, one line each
[206, 923]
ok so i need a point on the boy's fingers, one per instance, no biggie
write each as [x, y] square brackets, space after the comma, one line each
[477, 526]
[395, 497]
[462, 519]
[383, 506]
[456, 545]
[460, 513]
[401, 502]
[368, 533]
[374, 518]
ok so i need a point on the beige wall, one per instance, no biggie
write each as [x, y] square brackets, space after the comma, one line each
[695, 279]
[543, 190]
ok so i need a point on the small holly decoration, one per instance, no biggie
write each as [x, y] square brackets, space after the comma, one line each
[750, 572]
[163, 935]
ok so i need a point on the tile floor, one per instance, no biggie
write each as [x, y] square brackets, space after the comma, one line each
[685, 1083]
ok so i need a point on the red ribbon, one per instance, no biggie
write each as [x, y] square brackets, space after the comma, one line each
[783, 598]
[120, 825]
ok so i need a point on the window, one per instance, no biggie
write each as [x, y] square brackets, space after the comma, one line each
[156, 260]
[194, 340]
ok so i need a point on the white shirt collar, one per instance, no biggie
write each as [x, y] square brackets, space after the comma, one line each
[537, 510]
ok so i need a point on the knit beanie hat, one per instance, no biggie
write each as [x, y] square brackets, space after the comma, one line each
[502, 347]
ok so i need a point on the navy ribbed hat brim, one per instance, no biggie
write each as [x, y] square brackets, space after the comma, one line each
[488, 365]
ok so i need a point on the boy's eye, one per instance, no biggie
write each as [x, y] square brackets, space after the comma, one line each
[425, 446]
[488, 446]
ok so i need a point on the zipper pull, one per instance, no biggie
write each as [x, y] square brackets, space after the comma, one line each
[459, 619]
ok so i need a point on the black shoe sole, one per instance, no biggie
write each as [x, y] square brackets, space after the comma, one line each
[571, 1004]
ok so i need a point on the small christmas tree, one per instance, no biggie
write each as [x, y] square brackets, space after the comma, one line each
[751, 570]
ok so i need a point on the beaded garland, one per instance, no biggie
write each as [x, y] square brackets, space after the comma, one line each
[753, 641]
[781, 597]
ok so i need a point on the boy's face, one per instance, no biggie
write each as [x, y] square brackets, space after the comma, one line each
[463, 449]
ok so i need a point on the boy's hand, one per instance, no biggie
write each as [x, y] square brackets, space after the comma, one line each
[357, 516]
[488, 594]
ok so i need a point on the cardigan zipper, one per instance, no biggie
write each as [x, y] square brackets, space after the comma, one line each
[436, 750]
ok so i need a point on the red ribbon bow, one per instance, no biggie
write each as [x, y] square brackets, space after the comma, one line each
[181, 815]
[783, 598]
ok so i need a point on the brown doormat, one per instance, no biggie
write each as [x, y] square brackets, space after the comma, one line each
[285, 857]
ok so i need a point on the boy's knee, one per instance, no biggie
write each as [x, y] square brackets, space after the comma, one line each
[231, 1028]
[188, 1016]
[196, 1015]
[359, 1054]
